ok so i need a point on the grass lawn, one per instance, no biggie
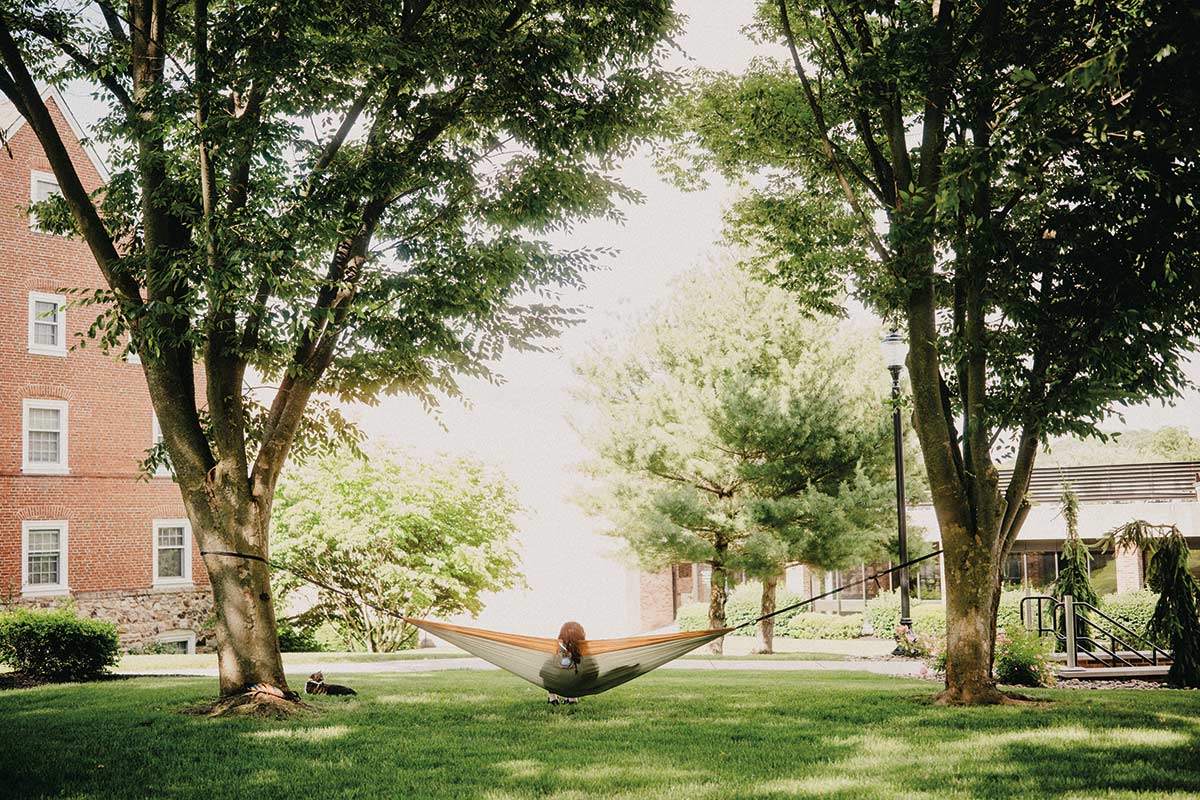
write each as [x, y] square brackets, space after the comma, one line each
[166, 662]
[668, 735]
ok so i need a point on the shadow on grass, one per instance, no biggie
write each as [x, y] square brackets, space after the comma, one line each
[669, 735]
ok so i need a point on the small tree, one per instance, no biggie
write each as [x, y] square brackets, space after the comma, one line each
[413, 538]
[736, 431]
[1176, 617]
[1073, 578]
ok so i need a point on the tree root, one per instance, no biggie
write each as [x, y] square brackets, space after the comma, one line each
[252, 704]
[989, 696]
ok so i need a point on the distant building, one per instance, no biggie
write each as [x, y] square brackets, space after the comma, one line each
[75, 520]
[1109, 495]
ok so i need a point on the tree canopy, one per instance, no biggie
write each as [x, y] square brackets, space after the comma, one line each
[735, 430]
[340, 198]
[1015, 183]
[390, 532]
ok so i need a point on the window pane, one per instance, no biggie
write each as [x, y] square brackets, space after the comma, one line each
[174, 647]
[45, 419]
[45, 311]
[44, 189]
[45, 333]
[170, 536]
[43, 568]
[42, 539]
[1042, 570]
[170, 562]
[43, 447]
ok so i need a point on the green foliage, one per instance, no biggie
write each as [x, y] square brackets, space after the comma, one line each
[1023, 659]
[692, 617]
[1176, 617]
[735, 430]
[1134, 610]
[417, 539]
[824, 626]
[1122, 447]
[298, 640]
[883, 612]
[57, 645]
[1073, 574]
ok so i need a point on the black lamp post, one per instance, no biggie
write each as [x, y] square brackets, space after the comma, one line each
[894, 353]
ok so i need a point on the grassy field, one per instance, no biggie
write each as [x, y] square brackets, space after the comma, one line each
[668, 735]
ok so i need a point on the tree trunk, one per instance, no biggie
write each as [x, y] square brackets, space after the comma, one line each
[972, 597]
[766, 628]
[247, 636]
[716, 605]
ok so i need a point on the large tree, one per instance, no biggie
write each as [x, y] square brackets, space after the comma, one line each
[734, 430]
[339, 198]
[390, 536]
[1013, 184]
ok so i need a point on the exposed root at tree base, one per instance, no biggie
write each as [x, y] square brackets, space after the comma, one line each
[984, 697]
[252, 704]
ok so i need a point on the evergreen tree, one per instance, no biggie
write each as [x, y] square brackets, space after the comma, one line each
[1073, 576]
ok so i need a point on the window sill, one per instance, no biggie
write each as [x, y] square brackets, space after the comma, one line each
[39, 470]
[48, 351]
[173, 583]
[45, 591]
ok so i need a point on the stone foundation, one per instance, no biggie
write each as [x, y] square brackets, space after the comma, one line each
[142, 615]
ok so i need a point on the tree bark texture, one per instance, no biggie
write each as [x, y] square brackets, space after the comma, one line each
[716, 604]
[766, 628]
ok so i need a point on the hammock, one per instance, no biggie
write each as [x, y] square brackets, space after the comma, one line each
[604, 663]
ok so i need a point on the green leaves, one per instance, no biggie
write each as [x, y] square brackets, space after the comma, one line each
[415, 538]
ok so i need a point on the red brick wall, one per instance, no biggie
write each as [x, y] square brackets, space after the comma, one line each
[109, 511]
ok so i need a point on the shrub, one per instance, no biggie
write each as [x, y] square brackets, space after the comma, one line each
[692, 617]
[298, 640]
[57, 645]
[1132, 609]
[1023, 659]
[883, 612]
[824, 626]
[743, 605]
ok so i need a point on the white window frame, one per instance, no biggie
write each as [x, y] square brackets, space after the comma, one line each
[36, 175]
[186, 578]
[162, 470]
[44, 589]
[63, 465]
[179, 636]
[59, 349]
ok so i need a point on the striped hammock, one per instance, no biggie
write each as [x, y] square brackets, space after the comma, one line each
[605, 663]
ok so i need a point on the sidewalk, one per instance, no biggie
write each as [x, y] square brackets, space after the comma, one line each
[895, 668]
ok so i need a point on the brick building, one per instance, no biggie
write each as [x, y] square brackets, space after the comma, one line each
[1109, 495]
[75, 423]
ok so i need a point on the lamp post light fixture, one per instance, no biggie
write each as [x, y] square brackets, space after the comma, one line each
[894, 353]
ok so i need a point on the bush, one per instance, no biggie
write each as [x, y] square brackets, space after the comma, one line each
[824, 626]
[1132, 609]
[743, 605]
[1023, 659]
[57, 645]
[692, 617]
[298, 640]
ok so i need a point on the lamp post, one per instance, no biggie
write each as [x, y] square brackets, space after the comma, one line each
[894, 352]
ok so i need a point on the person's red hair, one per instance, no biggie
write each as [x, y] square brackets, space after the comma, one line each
[571, 635]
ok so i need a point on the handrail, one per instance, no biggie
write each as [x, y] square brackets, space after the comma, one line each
[1088, 629]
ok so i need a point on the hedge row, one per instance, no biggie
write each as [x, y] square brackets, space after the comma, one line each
[57, 645]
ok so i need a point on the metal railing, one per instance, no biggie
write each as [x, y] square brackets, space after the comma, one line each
[1080, 633]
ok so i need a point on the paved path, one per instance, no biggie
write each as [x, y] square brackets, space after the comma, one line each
[900, 668]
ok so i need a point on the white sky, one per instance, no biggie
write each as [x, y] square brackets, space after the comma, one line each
[521, 426]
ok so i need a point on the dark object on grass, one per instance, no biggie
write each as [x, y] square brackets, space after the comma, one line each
[316, 685]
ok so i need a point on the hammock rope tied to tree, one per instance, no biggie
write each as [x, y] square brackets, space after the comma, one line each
[604, 663]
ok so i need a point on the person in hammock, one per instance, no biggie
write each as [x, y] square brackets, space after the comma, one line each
[570, 644]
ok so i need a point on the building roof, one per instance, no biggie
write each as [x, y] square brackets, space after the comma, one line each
[1114, 483]
[11, 122]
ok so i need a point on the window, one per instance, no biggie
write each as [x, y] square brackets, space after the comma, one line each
[181, 642]
[47, 324]
[172, 552]
[45, 437]
[42, 186]
[163, 470]
[44, 557]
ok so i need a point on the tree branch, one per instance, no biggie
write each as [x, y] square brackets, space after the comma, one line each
[59, 39]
